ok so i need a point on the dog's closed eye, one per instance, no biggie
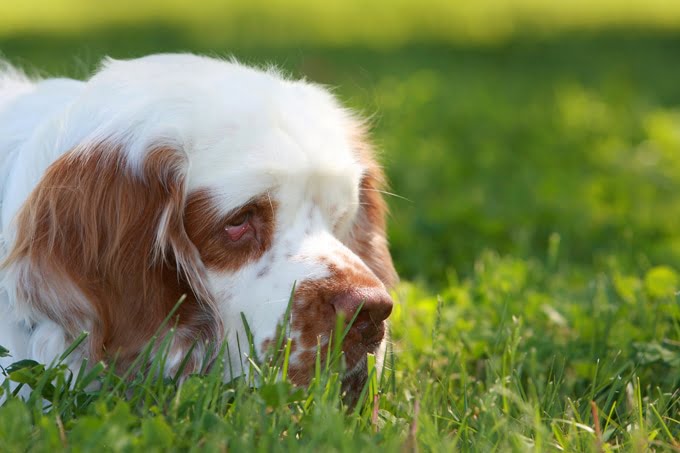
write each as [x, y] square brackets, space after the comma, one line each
[240, 226]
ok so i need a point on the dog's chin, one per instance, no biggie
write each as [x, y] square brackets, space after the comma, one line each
[355, 378]
[353, 382]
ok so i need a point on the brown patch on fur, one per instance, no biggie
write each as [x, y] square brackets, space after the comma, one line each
[205, 226]
[314, 316]
[303, 368]
[313, 313]
[368, 238]
[103, 248]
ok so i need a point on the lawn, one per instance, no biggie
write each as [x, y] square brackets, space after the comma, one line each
[535, 163]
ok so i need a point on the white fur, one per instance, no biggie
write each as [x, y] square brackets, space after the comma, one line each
[300, 155]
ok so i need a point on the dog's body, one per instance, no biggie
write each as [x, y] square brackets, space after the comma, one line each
[178, 175]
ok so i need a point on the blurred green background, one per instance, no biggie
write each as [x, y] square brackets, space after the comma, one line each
[503, 124]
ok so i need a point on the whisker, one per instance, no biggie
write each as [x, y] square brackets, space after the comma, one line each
[384, 192]
[276, 301]
[271, 203]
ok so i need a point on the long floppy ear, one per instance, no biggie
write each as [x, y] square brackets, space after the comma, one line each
[101, 246]
[368, 237]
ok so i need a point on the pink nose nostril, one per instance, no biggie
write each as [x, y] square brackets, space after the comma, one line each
[375, 304]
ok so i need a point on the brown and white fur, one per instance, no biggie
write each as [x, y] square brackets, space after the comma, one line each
[179, 175]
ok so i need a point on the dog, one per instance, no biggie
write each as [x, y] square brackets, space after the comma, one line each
[181, 182]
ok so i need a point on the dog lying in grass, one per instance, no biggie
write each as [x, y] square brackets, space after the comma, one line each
[253, 199]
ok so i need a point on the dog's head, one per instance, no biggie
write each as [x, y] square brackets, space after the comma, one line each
[191, 176]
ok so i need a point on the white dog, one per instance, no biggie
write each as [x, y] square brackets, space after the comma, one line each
[176, 175]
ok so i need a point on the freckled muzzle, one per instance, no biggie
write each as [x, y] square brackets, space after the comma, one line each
[352, 292]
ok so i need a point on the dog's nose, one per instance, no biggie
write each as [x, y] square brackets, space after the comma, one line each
[374, 306]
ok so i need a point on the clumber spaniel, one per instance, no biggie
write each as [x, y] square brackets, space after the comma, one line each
[176, 175]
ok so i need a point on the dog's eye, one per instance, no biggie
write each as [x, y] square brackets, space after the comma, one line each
[239, 226]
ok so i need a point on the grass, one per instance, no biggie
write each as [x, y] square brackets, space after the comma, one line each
[510, 358]
[537, 241]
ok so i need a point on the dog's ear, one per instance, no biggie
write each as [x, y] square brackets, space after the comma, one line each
[101, 246]
[368, 237]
